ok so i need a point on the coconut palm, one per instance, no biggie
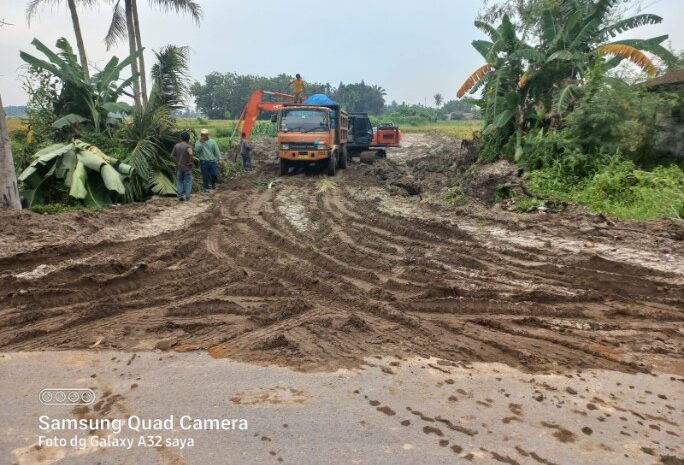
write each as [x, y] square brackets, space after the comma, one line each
[125, 24]
[170, 77]
[438, 99]
[525, 84]
[35, 5]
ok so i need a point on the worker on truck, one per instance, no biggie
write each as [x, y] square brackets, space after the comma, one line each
[208, 153]
[298, 86]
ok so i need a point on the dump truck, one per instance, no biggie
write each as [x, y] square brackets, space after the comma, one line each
[312, 135]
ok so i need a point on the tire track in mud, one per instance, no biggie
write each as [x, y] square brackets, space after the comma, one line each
[243, 280]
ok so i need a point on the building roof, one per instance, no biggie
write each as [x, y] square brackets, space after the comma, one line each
[676, 77]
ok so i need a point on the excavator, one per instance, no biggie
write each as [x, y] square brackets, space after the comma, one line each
[260, 100]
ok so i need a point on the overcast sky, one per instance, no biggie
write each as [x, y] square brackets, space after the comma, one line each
[413, 48]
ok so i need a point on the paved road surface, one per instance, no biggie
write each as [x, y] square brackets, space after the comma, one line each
[390, 411]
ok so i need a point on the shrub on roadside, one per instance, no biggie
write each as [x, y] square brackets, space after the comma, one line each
[618, 188]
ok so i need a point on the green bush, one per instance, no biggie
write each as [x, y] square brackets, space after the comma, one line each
[454, 196]
[230, 169]
[523, 204]
[619, 189]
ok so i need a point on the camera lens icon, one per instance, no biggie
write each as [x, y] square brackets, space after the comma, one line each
[66, 396]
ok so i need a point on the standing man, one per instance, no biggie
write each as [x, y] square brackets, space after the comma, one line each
[298, 85]
[182, 156]
[208, 153]
[246, 152]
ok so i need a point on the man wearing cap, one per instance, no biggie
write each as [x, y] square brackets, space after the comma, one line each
[208, 153]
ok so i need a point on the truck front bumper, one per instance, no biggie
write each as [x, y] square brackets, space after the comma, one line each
[304, 155]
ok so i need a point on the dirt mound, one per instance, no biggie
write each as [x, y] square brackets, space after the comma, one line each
[441, 163]
[265, 149]
[483, 181]
[319, 278]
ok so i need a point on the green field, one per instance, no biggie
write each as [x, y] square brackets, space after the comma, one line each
[15, 122]
[463, 129]
[222, 129]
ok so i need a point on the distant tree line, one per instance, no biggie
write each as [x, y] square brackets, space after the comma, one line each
[14, 110]
[224, 95]
[453, 109]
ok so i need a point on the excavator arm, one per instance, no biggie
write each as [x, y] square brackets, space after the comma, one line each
[260, 100]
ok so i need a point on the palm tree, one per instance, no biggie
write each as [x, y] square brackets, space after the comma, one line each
[35, 5]
[438, 99]
[125, 24]
[170, 77]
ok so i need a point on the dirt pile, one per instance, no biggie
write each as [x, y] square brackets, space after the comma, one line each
[442, 162]
[265, 149]
[347, 276]
[483, 181]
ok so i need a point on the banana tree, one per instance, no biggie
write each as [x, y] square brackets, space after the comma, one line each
[572, 39]
[89, 174]
[92, 99]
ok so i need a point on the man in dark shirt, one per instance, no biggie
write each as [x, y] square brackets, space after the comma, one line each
[182, 156]
[246, 152]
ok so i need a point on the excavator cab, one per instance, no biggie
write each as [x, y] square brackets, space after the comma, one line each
[360, 133]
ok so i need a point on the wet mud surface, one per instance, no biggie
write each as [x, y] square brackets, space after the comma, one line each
[316, 274]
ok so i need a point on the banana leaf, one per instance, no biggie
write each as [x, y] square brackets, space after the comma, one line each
[112, 179]
[91, 175]
[90, 160]
[67, 164]
[90, 190]
[117, 107]
[124, 169]
[98, 195]
[78, 188]
[44, 157]
[69, 120]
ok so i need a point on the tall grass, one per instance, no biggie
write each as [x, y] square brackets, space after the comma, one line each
[15, 122]
[459, 129]
[222, 130]
[618, 188]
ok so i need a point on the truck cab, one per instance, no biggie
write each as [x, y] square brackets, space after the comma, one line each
[312, 135]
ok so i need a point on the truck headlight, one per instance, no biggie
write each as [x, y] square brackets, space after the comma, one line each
[321, 147]
[285, 147]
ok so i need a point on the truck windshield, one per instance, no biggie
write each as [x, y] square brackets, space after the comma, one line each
[304, 121]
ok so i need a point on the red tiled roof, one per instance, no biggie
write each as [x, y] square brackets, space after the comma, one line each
[676, 77]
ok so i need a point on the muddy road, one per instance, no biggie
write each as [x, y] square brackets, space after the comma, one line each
[316, 273]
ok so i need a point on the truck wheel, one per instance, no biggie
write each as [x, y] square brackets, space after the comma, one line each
[284, 168]
[332, 163]
[344, 158]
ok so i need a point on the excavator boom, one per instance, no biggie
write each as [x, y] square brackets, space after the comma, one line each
[260, 100]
